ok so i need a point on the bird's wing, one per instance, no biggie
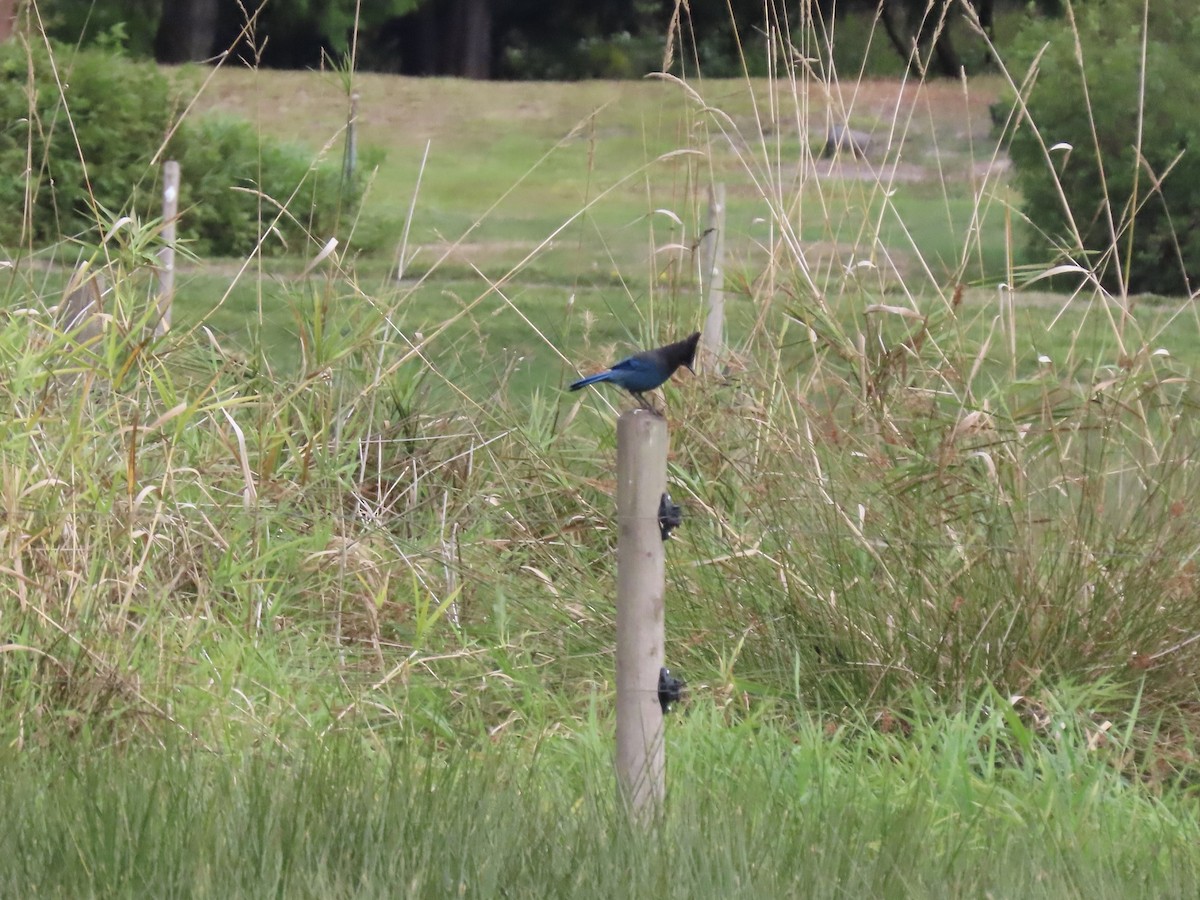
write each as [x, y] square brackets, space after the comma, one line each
[633, 364]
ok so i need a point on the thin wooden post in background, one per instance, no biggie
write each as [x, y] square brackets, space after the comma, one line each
[166, 256]
[350, 162]
[641, 586]
[712, 278]
[81, 312]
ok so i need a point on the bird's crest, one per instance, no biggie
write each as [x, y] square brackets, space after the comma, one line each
[682, 353]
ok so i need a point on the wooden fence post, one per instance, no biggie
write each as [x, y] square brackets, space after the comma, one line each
[81, 312]
[166, 270]
[712, 278]
[641, 585]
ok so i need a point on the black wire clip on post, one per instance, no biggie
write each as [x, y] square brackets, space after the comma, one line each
[670, 689]
[670, 516]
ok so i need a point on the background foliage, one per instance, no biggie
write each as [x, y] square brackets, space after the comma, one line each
[1127, 193]
[561, 41]
[120, 113]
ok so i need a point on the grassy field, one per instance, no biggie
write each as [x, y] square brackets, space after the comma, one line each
[314, 596]
[753, 812]
[583, 204]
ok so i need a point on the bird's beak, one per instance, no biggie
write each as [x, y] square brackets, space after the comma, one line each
[689, 368]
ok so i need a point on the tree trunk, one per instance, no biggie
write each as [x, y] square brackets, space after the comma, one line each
[186, 31]
[886, 13]
[476, 39]
[931, 49]
[466, 39]
[936, 49]
[986, 11]
[8, 19]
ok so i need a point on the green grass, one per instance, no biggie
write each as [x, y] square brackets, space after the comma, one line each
[588, 159]
[752, 812]
[515, 344]
[542, 156]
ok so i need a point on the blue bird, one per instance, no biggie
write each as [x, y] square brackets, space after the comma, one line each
[646, 370]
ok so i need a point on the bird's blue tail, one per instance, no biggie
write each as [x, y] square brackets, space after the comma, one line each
[591, 379]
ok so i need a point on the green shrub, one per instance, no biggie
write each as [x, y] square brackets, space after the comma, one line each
[129, 24]
[1160, 252]
[116, 115]
[233, 180]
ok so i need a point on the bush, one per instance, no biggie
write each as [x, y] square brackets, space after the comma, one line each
[1160, 251]
[129, 24]
[232, 181]
[120, 112]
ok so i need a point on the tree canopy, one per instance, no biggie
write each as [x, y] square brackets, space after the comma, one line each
[514, 38]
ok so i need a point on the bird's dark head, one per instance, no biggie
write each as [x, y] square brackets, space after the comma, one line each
[683, 353]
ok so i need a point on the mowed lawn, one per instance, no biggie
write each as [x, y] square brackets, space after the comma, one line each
[563, 219]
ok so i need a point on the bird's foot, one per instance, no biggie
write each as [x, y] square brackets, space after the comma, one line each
[647, 405]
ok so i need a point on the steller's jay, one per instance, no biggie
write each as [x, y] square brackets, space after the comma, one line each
[646, 370]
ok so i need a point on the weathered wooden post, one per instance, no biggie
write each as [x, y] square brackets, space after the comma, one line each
[641, 585]
[166, 269]
[712, 278]
[81, 312]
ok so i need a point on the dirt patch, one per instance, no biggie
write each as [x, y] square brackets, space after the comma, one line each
[864, 170]
[890, 173]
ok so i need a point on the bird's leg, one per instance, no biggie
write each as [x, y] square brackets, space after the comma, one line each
[647, 405]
